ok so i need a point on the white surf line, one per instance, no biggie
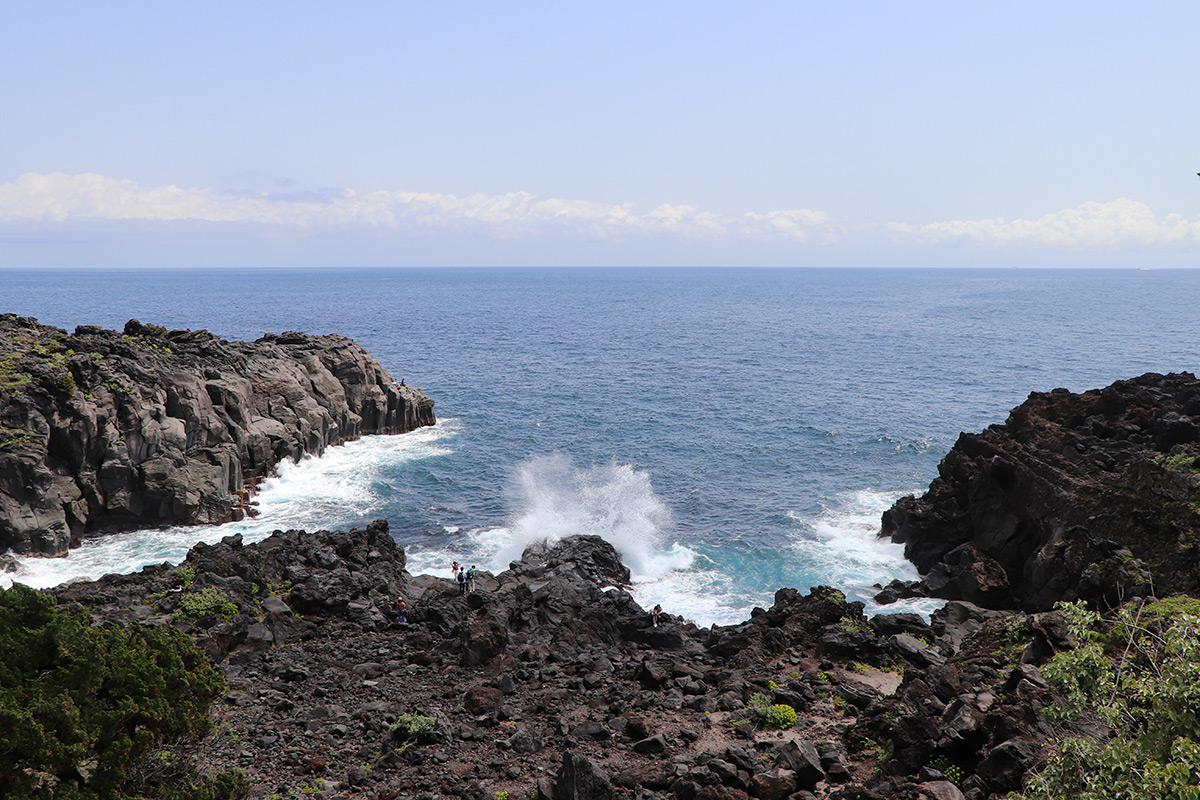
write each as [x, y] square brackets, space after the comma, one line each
[332, 485]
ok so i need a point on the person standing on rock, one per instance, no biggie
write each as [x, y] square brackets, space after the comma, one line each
[471, 579]
[462, 581]
[401, 611]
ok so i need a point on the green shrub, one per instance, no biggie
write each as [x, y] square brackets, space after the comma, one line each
[1147, 690]
[774, 717]
[81, 707]
[413, 726]
[1182, 462]
[779, 717]
[208, 602]
[952, 772]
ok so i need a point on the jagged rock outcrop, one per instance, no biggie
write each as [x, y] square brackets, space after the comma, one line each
[103, 431]
[1091, 496]
[550, 677]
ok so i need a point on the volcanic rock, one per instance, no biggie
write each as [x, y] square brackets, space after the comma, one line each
[1077, 496]
[103, 431]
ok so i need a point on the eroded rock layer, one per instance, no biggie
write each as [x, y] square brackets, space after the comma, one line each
[101, 430]
[1091, 496]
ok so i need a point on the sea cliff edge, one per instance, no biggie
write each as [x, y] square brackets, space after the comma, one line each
[103, 430]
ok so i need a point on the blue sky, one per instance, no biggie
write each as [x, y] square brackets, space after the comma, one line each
[874, 134]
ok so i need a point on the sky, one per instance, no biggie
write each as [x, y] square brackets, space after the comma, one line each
[663, 133]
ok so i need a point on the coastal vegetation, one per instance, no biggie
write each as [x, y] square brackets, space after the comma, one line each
[1134, 681]
[96, 712]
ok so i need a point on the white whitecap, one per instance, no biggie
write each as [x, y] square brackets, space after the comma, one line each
[841, 545]
[616, 502]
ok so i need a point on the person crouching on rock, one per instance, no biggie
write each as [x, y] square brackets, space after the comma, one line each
[462, 581]
[656, 614]
[401, 611]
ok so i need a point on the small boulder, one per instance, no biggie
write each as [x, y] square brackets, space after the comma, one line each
[774, 784]
[940, 790]
[482, 640]
[481, 700]
[651, 745]
[802, 761]
[580, 778]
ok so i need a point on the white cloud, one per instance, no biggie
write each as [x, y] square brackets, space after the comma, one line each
[60, 201]
[1119, 224]
[58, 198]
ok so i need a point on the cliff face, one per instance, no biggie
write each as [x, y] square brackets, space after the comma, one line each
[102, 430]
[1090, 496]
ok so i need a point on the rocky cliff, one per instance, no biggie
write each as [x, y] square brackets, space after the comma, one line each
[1092, 496]
[103, 430]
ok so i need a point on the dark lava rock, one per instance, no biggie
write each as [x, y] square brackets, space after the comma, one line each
[802, 761]
[774, 784]
[1003, 767]
[652, 745]
[481, 700]
[581, 779]
[482, 640]
[1077, 496]
[107, 431]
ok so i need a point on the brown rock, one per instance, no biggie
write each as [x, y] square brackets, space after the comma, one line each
[774, 784]
[481, 700]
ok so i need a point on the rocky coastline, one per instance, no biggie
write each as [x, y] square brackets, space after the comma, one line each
[103, 431]
[549, 681]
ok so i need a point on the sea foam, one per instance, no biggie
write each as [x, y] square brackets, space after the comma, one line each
[551, 499]
[339, 488]
[842, 546]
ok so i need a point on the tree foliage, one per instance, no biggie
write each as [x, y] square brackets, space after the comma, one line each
[81, 707]
[1143, 689]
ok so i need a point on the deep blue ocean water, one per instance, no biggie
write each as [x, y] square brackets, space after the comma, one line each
[730, 430]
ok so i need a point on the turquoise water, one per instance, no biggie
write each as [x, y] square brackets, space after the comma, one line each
[730, 430]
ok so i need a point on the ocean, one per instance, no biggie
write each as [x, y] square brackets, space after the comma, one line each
[730, 431]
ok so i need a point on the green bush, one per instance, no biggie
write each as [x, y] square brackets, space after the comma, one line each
[413, 726]
[779, 717]
[81, 707]
[952, 772]
[208, 602]
[774, 717]
[66, 384]
[1146, 689]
